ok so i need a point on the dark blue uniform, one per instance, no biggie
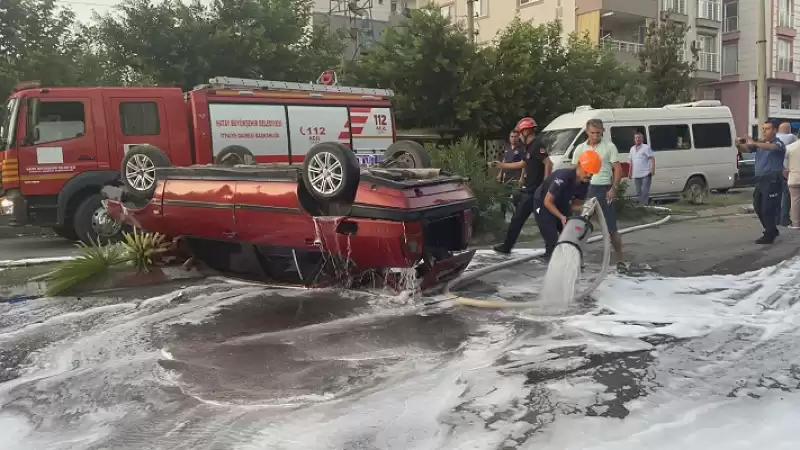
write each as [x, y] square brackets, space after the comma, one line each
[769, 187]
[565, 187]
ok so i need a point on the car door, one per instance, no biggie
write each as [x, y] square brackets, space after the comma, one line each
[59, 143]
[198, 207]
[137, 121]
[268, 212]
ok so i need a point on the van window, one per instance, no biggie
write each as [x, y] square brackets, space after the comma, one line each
[670, 137]
[557, 141]
[712, 135]
[59, 120]
[622, 137]
[139, 119]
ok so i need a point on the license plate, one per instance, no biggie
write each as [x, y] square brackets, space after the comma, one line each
[369, 160]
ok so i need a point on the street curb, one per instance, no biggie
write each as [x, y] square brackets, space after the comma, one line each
[11, 263]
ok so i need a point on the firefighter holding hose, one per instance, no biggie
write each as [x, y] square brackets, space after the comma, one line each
[554, 199]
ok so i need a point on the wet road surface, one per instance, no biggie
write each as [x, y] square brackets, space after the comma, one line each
[218, 365]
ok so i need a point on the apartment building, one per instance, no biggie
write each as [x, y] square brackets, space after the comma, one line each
[737, 86]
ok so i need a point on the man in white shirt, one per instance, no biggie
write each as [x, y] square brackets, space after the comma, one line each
[643, 167]
[786, 136]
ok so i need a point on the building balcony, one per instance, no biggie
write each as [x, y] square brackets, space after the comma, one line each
[625, 51]
[708, 66]
[679, 7]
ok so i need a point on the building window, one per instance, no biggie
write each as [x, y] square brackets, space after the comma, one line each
[784, 63]
[677, 6]
[731, 16]
[785, 16]
[481, 8]
[393, 6]
[786, 99]
[730, 59]
[446, 11]
[709, 9]
[525, 2]
[708, 53]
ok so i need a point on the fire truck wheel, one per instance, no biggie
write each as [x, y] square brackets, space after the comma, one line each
[408, 154]
[331, 172]
[92, 222]
[233, 155]
[138, 169]
[67, 233]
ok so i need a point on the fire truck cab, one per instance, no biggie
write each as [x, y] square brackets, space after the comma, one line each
[60, 146]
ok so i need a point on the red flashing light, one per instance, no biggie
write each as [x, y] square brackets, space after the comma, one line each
[328, 78]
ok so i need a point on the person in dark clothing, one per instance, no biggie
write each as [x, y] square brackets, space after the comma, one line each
[770, 153]
[553, 200]
[511, 154]
[537, 165]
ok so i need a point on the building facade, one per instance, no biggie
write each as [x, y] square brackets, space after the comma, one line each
[737, 87]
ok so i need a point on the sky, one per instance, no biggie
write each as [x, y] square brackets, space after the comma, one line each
[83, 8]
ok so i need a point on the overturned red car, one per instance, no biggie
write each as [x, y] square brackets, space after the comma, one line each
[327, 221]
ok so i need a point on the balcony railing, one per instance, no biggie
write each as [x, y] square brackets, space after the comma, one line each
[708, 61]
[678, 6]
[622, 46]
[709, 9]
[785, 18]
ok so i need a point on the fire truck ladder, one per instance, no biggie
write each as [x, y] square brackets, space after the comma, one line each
[244, 83]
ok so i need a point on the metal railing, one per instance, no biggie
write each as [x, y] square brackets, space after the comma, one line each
[623, 46]
[708, 61]
[678, 6]
[709, 9]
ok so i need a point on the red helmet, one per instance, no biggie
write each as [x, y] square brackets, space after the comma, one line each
[525, 123]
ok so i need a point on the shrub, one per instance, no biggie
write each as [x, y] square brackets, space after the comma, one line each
[139, 250]
[466, 158]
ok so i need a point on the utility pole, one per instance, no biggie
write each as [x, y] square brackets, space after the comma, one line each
[761, 80]
[471, 20]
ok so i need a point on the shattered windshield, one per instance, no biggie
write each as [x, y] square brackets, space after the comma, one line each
[558, 141]
[7, 116]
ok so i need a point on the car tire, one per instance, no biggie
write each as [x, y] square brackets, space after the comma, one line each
[695, 190]
[87, 222]
[408, 154]
[331, 172]
[234, 155]
[138, 170]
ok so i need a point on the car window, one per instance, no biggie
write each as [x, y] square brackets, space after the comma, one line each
[670, 137]
[622, 137]
[557, 141]
[712, 135]
[139, 119]
[59, 120]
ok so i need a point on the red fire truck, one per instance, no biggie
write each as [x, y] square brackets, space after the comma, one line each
[60, 145]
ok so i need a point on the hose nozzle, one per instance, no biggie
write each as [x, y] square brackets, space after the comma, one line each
[589, 207]
[578, 228]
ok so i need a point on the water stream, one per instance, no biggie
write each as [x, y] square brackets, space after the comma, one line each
[558, 288]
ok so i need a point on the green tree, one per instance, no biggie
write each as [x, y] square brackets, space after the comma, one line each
[666, 74]
[37, 42]
[440, 79]
[184, 44]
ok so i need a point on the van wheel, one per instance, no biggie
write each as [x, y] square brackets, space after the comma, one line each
[695, 190]
[92, 222]
[138, 169]
[331, 172]
[233, 155]
[408, 155]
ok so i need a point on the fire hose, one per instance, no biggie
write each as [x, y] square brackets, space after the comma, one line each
[576, 232]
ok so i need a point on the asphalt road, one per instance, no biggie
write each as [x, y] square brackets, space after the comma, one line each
[41, 246]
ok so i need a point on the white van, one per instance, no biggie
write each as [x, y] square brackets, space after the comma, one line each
[694, 143]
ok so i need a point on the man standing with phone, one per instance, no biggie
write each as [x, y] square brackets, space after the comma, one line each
[603, 186]
[770, 155]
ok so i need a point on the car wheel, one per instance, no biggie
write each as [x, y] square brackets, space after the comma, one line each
[408, 154]
[695, 190]
[138, 169]
[92, 222]
[331, 172]
[233, 155]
